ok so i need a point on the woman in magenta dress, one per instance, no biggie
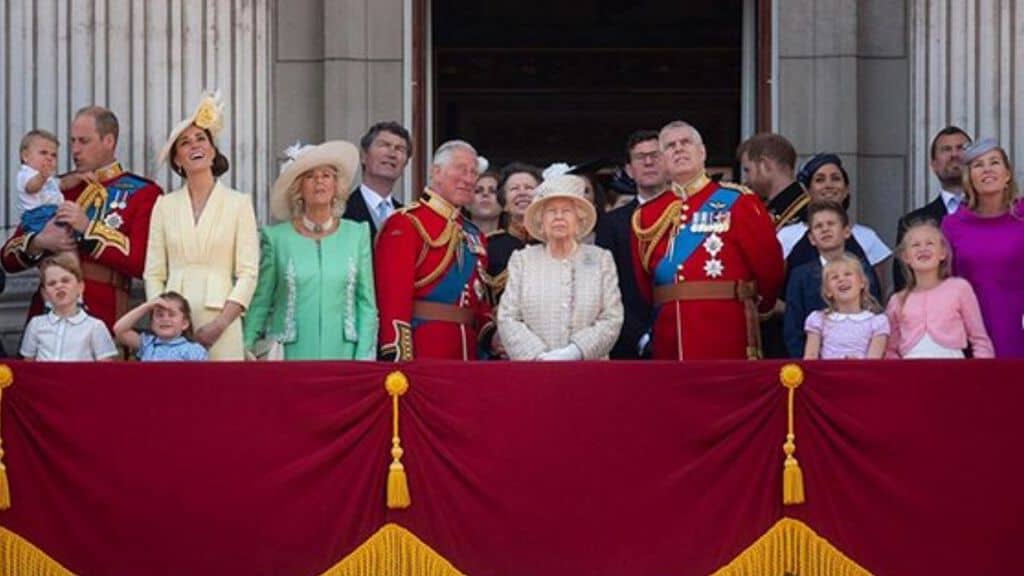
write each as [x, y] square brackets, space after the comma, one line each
[987, 237]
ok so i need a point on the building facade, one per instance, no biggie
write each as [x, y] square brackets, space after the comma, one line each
[870, 80]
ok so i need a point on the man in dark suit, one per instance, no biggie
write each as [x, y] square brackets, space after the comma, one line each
[644, 165]
[948, 168]
[768, 162]
[384, 153]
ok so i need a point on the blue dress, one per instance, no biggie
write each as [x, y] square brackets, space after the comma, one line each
[153, 349]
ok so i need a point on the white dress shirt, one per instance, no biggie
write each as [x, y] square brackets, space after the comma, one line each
[373, 204]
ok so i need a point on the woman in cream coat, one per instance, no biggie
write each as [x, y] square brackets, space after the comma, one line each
[562, 300]
[202, 238]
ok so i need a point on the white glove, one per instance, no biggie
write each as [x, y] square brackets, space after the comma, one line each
[570, 352]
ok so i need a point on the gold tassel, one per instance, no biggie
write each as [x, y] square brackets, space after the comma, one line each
[791, 377]
[398, 485]
[19, 557]
[392, 550]
[6, 378]
[791, 547]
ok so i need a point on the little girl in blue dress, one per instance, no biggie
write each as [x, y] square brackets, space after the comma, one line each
[169, 337]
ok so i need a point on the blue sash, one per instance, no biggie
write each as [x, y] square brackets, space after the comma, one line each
[686, 240]
[448, 290]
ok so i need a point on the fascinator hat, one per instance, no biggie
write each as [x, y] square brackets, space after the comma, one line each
[209, 116]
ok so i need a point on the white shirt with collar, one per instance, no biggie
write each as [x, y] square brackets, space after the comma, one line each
[373, 202]
[951, 200]
[75, 338]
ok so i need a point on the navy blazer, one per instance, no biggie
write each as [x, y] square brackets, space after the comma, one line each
[803, 296]
[934, 210]
[613, 234]
[356, 209]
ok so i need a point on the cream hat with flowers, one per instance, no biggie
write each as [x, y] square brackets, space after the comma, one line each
[565, 186]
[208, 115]
[341, 155]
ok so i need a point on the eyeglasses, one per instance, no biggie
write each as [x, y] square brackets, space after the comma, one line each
[645, 156]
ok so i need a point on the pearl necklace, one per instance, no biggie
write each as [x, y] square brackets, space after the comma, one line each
[316, 228]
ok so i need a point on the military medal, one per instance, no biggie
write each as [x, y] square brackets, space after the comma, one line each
[713, 267]
[113, 220]
[119, 202]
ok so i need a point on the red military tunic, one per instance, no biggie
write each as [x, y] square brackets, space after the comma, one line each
[428, 265]
[113, 247]
[737, 245]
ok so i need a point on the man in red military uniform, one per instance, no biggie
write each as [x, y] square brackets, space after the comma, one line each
[105, 219]
[428, 264]
[706, 256]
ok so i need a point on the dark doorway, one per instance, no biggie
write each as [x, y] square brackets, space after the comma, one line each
[547, 81]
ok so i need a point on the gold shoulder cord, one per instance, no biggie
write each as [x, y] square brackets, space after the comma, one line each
[648, 238]
[451, 235]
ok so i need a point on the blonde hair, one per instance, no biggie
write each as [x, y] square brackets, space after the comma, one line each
[294, 193]
[867, 301]
[1009, 194]
[945, 266]
[37, 134]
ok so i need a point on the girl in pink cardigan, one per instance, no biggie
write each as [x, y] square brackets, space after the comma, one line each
[936, 316]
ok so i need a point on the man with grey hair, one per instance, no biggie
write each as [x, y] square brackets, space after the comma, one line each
[705, 256]
[428, 267]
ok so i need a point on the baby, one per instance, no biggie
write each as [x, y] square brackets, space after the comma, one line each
[39, 191]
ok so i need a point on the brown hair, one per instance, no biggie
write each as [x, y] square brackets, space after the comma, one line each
[106, 121]
[768, 145]
[827, 206]
[186, 310]
[32, 135]
[65, 260]
[1009, 194]
[220, 162]
[867, 301]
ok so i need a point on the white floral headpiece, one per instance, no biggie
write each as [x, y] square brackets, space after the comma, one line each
[293, 152]
[556, 169]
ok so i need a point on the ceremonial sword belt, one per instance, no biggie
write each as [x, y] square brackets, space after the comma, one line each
[705, 290]
[438, 311]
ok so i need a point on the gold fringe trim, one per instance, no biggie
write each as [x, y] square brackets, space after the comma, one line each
[6, 378]
[791, 377]
[18, 557]
[791, 547]
[398, 485]
[393, 551]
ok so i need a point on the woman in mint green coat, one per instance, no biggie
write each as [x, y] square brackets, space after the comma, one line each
[314, 298]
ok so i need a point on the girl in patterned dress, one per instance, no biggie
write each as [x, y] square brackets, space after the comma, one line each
[852, 325]
[170, 335]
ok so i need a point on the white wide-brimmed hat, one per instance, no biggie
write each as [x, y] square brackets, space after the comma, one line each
[341, 155]
[565, 186]
[208, 115]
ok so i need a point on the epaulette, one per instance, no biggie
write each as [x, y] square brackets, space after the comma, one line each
[734, 186]
[129, 182]
[410, 206]
[648, 238]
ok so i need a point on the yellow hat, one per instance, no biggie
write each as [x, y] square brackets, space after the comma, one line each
[208, 115]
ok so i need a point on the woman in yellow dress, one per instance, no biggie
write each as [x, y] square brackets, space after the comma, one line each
[203, 242]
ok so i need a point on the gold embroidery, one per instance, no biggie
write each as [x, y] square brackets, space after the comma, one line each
[105, 236]
[648, 238]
